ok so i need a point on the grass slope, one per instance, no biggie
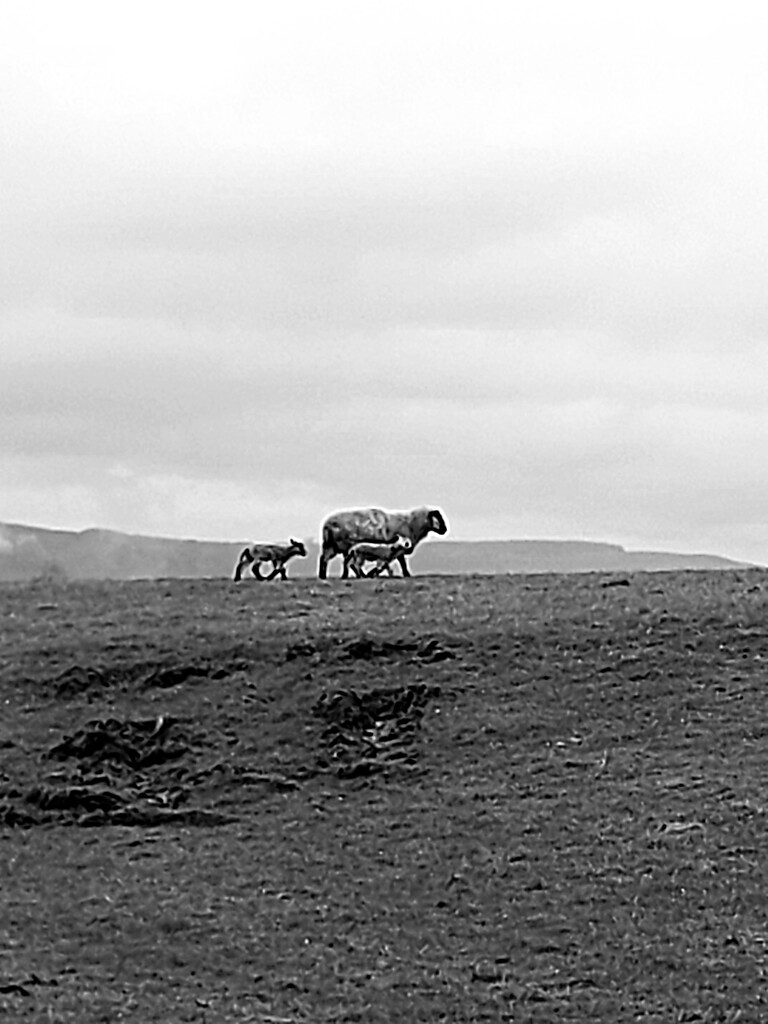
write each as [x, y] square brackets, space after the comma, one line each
[529, 798]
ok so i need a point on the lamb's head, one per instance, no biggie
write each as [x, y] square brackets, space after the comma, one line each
[402, 545]
[298, 548]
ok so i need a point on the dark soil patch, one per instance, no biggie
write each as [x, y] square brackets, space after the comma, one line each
[115, 772]
[78, 681]
[367, 647]
[370, 732]
[164, 677]
[132, 744]
[90, 682]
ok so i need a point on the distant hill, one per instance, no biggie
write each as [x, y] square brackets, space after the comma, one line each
[537, 556]
[31, 552]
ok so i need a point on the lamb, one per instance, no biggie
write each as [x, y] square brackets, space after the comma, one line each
[381, 554]
[342, 530]
[277, 554]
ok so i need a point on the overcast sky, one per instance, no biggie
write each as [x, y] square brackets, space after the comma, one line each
[261, 261]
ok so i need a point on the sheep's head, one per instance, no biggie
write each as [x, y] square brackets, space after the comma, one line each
[298, 547]
[435, 522]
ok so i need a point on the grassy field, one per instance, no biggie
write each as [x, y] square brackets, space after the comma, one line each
[524, 798]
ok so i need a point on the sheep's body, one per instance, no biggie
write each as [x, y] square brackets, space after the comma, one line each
[381, 554]
[277, 554]
[343, 530]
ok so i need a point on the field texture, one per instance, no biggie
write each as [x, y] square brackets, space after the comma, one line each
[531, 798]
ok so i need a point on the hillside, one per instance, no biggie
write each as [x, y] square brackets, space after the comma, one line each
[29, 552]
[464, 798]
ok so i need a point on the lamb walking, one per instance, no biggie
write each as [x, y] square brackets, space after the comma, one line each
[277, 554]
[382, 554]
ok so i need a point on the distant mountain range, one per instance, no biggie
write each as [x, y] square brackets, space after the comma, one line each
[31, 552]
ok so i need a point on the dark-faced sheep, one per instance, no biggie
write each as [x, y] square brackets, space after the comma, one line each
[375, 526]
[381, 554]
[278, 554]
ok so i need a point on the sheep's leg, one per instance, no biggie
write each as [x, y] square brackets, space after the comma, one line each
[245, 559]
[255, 571]
[403, 565]
[275, 570]
[322, 565]
[345, 567]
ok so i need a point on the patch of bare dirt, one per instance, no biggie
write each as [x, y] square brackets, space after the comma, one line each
[114, 772]
[373, 731]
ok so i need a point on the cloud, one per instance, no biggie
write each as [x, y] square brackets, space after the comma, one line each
[645, 246]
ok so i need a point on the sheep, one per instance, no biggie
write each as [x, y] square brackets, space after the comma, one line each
[277, 554]
[374, 525]
[381, 554]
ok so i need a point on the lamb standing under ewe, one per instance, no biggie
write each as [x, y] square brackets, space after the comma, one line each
[277, 554]
[343, 530]
[381, 554]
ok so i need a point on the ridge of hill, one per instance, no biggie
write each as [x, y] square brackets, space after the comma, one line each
[32, 552]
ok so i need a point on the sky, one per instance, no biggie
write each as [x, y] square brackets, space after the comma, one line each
[265, 261]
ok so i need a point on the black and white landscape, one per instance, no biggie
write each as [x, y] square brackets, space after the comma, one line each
[480, 287]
